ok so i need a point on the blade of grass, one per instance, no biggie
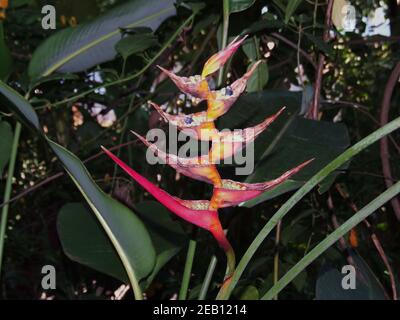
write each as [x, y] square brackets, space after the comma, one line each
[225, 28]
[187, 271]
[7, 192]
[332, 238]
[321, 175]
[207, 278]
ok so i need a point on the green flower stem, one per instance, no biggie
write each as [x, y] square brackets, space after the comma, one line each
[7, 192]
[188, 270]
[276, 257]
[294, 199]
[225, 28]
[207, 278]
[332, 238]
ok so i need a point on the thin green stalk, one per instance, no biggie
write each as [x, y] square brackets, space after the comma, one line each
[225, 28]
[123, 68]
[321, 175]
[7, 192]
[332, 238]
[276, 257]
[207, 278]
[188, 270]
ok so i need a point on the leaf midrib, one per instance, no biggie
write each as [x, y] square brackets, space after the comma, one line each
[99, 40]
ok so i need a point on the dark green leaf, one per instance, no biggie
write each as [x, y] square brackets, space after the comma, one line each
[329, 283]
[367, 278]
[135, 43]
[252, 108]
[196, 7]
[239, 5]
[84, 241]
[75, 223]
[259, 78]
[326, 48]
[251, 48]
[15, 102]
[263, 24]
[167, 235]
[305, 139]
[126, 230]
[279, 4]
[249, 293]
[82, 47]
[291, 8]
[294, 233]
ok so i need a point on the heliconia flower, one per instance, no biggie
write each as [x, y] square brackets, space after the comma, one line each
[224, 145]
[190, 167]
[192, 211]
[220, 101]
[195, 125]
[232, 193]
[200, 125]
[227, 193]
[196, 86]
[219, 59]
[228, 143]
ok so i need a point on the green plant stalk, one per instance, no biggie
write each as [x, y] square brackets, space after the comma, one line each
[276, 257]
[294, 199]
[7, 192]
[188, 270]
[225, 28]
[332, 238]
[207, 278]
[133, 76]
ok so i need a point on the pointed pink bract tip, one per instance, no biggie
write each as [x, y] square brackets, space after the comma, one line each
[153, 104]
[169, 73]
[219, 59]
[138, 135]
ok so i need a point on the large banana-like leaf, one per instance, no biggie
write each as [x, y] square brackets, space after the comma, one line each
[78, 48]
[125, 230]
[75, 222]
